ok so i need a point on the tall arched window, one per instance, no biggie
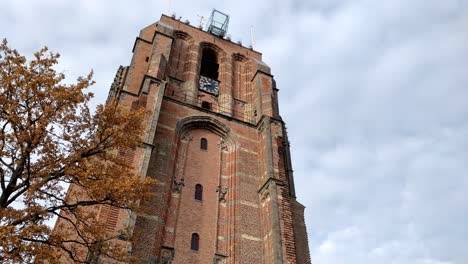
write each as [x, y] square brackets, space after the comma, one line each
[195, 242]
[198, 192]
[209, 64]
[204, 144]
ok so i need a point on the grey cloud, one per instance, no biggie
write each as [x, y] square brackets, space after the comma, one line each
[373, 92]
[381, 136]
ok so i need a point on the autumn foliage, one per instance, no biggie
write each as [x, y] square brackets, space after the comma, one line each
[50, 140]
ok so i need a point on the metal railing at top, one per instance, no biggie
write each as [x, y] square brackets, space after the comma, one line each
[211, 103]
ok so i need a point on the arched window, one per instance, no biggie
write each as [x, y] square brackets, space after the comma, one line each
[204, 144]
[198, 192]
[195, 242]
[206, 105]
[209, 64]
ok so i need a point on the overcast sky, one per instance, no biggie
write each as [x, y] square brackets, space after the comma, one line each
[374, 93]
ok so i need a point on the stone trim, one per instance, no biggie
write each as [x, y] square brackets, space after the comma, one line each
[208, 123]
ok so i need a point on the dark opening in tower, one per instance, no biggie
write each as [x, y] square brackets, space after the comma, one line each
[206, 105]
[209, 64]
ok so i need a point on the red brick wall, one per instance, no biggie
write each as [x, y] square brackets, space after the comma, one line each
[257, 221]
[201, 167]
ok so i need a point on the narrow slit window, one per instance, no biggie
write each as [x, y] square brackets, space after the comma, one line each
[195, 242]
[198, 192]
[203, 144]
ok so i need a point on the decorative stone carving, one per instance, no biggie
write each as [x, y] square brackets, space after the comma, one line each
[187, 137]
[278, 129]
[181, 35]
[167, 255]
[222, 145]
[219, 259]
[239, 57]
[222, 191]
[124, 234]
[265, 194]
[178, 185]
[205, 122]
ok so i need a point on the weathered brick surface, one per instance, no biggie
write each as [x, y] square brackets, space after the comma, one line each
[248, 213]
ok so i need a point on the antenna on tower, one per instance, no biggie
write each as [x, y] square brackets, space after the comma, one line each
[251, 37]
[202, 21]
[169, 6]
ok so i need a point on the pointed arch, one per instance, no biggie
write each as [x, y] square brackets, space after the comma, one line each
[208, 123]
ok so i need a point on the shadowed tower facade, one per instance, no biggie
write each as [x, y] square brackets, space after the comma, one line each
[217, 146]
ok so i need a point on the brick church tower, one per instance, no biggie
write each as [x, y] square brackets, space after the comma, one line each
[217, 146]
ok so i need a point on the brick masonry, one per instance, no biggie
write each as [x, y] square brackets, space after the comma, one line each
[248, 212]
